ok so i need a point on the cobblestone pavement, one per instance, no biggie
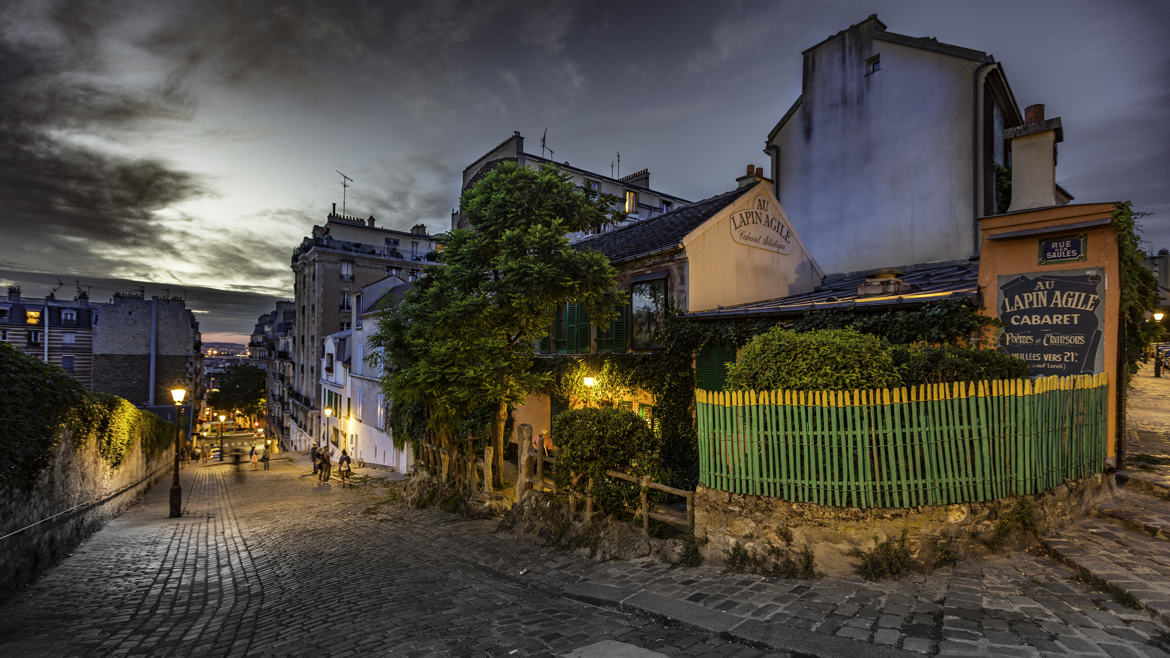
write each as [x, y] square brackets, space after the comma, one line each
[1148, 416]
[275, 563]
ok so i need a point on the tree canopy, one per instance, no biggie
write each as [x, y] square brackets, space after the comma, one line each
[241, 387]
[465, 335]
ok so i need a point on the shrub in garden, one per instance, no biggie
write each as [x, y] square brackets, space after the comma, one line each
[951, 363]
[591, 441]
[827, 359]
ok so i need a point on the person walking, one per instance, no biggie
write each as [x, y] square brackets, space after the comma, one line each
[326, 465]
[344, 466]
[265, 457]
[253, 457]
[315, 455]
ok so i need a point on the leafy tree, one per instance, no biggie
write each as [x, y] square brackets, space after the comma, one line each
[1139, 290]
[241, 387]
[466, 334]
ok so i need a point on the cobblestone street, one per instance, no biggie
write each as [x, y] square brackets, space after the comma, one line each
[275, 563]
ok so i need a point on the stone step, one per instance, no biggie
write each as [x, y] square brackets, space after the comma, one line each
[1154, 483]
[1131, 564]
[1137, 511]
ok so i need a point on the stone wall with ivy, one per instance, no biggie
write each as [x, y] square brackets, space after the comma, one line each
[69, 459]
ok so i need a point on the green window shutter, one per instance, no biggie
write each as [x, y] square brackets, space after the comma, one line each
[583, 343]
[617, 330]
[711, 366]
[568, 343]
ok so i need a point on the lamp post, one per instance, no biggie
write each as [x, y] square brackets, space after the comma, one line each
[1157, 352]
[221, 419]
[328, 413]
[177, 491]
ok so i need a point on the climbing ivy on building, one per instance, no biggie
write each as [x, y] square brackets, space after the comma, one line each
[1139, 289]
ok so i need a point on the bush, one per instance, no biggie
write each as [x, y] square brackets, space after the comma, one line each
[38, 400]
[591, 441]
[888, 559]
[827, 359]
[950, 363]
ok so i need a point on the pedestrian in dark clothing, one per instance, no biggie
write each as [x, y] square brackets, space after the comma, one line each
[315, 455]
[265, 457]
[344, 466]
[326, 465]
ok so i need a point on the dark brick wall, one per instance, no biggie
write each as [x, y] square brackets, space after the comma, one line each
[124, 375]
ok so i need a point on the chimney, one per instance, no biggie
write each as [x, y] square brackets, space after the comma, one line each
[754, 175]
[333, 213]
[1033, 149]
[418, 229]
[370, 221]
[14, 293]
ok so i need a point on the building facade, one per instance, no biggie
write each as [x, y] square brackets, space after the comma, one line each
[56, 331]
[339, 258]
[632, 192]
[893, 149]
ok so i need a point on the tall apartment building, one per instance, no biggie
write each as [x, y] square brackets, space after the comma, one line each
[336, 260]
[633, 193]
[56, 331]
[271, 349]
[893, 149]
[142, 348]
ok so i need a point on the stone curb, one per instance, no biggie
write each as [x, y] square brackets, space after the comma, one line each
[1103, 574]
[1138, 481]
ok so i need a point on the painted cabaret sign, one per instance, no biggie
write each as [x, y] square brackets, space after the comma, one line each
[761, 225]
[1055, 322]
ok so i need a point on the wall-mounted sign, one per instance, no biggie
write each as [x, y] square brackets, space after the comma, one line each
[1067, 249]
[761, 226]
[1055, 322]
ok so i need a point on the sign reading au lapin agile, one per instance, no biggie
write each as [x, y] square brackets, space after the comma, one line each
[1055, 322]
[760, 225]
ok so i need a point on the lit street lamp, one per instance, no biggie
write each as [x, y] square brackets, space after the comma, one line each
[221, 419]
[177, 491]
[328, 413]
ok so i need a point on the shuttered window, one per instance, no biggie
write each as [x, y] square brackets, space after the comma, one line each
[570, 331]
[613, 339]
[711, 366]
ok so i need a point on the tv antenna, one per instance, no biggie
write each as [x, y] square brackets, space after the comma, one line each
[544, 144]
[53, 293]
[345, 181]
[619, 171]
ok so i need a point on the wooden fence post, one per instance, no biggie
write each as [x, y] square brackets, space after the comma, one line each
[645, 504]
[540, 467]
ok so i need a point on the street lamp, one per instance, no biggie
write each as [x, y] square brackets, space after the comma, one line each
[1158, 316]
[221, 419]
[328, 413]
[177, 395]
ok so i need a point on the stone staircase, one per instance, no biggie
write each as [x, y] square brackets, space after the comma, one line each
[1124, 547]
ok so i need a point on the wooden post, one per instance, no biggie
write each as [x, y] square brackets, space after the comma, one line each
[488, 455]
[691, 512]
[589, 501]
[540, 467]
[645, 504]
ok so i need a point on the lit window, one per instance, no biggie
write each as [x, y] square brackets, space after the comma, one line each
[32, 317]
[631, 202]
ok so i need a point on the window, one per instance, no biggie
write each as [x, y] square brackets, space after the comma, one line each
[328, 363]
[32, 317]
[357, 408]
[344, 325]
[711, 366]
[347, 270]
[34, 337]
[3, 334]
[570, 331]
[346, 303]
[647, 306]
[357, 366]
[68, 338]
[873, 64]
[414, 275]
[631, 202]
[414, 249]
[665, 206]
[3, 315]
[613, 338]
[67, 362]
[394, 271]
[68, 317]
[381, 412]
[593, 186]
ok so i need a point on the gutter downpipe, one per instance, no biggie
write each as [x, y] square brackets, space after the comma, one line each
[45, 337]
[975, 148]
[153, 347]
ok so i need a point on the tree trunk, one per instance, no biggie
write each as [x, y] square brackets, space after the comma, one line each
[498, 445]
[447, 446]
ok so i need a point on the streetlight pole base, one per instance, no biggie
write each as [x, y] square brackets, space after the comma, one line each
[176, 501]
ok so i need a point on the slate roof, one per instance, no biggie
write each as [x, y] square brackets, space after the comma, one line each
[660, 233]
[928, 283]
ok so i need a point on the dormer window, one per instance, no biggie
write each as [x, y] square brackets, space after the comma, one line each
[32, 317]
[631, 202]
[69, 317]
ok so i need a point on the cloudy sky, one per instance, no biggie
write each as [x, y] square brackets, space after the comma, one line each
[188, 146]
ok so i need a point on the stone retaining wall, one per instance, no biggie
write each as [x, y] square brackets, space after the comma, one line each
[74, 478]
[756, 523]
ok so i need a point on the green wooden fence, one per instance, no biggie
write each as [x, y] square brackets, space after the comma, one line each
[906, 447]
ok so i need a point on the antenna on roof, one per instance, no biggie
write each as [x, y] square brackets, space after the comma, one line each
[53, 292]
[345, 181]
[544, 144]
[619, 173]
